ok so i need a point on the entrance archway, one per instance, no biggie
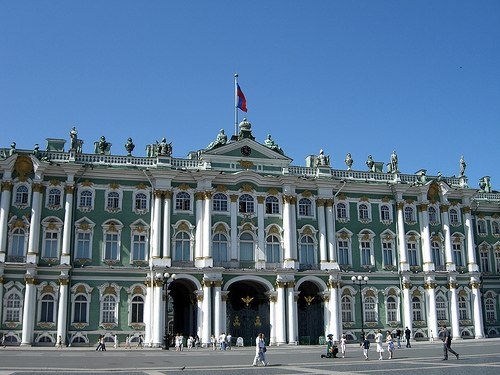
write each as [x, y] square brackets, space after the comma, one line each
[248, 311]
[181, 312]
[310, 308]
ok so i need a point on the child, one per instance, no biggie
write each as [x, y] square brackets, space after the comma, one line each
[366, 346]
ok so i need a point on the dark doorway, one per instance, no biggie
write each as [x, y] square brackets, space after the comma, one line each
[248, 311]
[181, 311]
[310, 308]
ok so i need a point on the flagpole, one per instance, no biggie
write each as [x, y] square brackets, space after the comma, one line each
[236, 104]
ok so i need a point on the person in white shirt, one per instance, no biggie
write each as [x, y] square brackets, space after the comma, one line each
[260, 350]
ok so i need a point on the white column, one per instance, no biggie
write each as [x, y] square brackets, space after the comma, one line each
[455, 321]
[68, 221]
[403, 262]
[292, 313]
[4, 217]
[407, 306]
[432, 323]
[156, 226]
[207, 312]
[469, 235]
[273, 296]
[477, 308]
[62, 307]
[234, 227]
[158, 317]
[217, 308]
[167, 241]
[280, 314]
[200, 315]
[293, 230]
[198, 245]
[260, 259]
[148, 311]
[320, 204]
[207, 230]
[330, 230]
[335, 317]
[1, 292]
[28, 311]
[450, 265]
[34, 235]
[223, 313]
[289, 260]
[426, 238]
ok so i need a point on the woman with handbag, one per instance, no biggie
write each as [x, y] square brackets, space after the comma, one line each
[260, 350]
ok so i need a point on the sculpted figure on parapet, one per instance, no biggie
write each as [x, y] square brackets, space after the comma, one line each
[219, 141]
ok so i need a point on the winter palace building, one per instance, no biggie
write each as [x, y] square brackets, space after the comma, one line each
[235, 239]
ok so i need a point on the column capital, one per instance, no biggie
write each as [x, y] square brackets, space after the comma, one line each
[406, 284]
[423, 207]
[69, 189]
[329, 202]
[320, 202]
[37, 187]
[444, 208]
[400, 205]
[452, 285]
[167, 194]
[233, 198]
[7, 185]
[260, 199]
[466, 209]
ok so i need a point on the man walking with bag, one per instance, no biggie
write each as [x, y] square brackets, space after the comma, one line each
[447, 343]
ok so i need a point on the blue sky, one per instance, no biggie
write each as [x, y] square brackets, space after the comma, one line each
[365, 77]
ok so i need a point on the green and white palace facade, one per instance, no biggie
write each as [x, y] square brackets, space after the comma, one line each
[234, 238]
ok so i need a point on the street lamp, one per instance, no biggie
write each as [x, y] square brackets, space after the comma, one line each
[360, 280]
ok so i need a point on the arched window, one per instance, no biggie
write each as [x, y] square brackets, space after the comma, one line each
[22, 195]
[80, 309]
[495, 228]
[490, 308]
[346, 307]
[246, 247]
[183, 201]
[47, 309]
[219, 202]
[341, 211]
[441, 308]
[454, 217]
[137, 310]
[141, 202]
[463, 310]
[273, 249]
[86, 197]
[17, 245]
[433, 217]
[219, 248]
[108, 309]
[363, 212]
[385, 214]
[113, 201]
[417, 309]
[370, 309]
[272, 205]
[409, 214]
[307, 252]
[392, 309]
[182, 251]
[305, 207]
[54, 198]
[481, 226]
[13, 308]
[246, 204]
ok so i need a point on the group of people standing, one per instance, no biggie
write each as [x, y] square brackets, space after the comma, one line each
[223, 342]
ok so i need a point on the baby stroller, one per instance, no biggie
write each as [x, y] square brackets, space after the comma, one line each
[331, 349]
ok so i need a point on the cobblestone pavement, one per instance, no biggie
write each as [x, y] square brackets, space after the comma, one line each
[476, 356]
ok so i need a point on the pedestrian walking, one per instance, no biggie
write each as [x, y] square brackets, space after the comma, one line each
[366, 347]
[431, 337]
[398, 337]
[228, 341]
[390, 345]
[260, 350]
[140, 342]
[343, 342]
[379, 342]
[116, 344]
[127, 342]
[213, 342]
[407, 337]
[4, 340]
[447, 344]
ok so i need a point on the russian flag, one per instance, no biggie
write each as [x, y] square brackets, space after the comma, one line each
[242, 102]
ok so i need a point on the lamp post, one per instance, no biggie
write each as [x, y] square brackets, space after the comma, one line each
[360, 280]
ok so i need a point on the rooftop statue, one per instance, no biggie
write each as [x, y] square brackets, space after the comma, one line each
[462, 166]
[272, 145]
[102, 146]
[164, 148]
[12, 150]
[370, 164]
[36, 151]
[348, 161]
[221, 140]
[322, 159]
[73, 135]
[394, 162]
[129, 146]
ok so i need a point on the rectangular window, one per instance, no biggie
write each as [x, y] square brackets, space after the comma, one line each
[485, 262]
[388, 253]
[111, 247]
[366, 252]
[139, 247]
[343, 248]
[83, 245]
[412, 254]
[457, 254]
[51, 242]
